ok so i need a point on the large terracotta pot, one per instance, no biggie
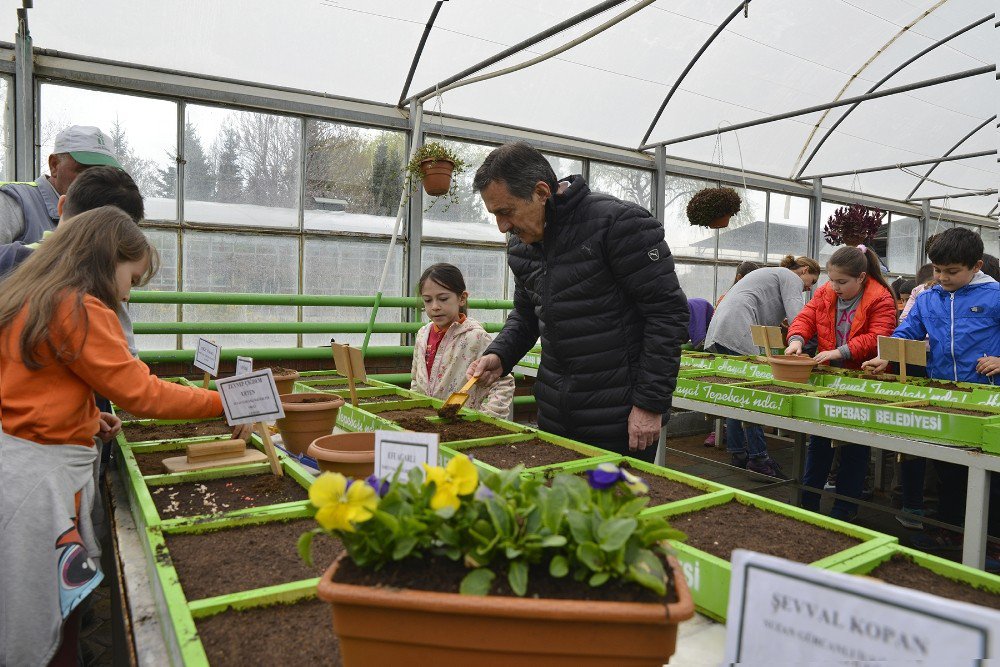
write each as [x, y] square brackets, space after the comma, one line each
[307, 418]
[382, 626]
[350, 454]
[437, 176]
[720, 223]
[790, 369]
[286, 381]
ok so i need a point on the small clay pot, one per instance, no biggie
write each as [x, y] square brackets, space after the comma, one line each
[790, 369]
[350, 454]
[307, 416]
[720, 223]
[285, 382]
[437, 176]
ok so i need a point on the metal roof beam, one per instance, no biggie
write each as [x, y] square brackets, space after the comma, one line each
[977, 193]
[420, 50]
[917, 85]
[899, 165]
[950, 150]
[888, 76]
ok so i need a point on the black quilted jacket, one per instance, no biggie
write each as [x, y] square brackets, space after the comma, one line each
[601, 292]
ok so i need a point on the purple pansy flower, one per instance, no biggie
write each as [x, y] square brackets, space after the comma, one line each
[381, 487]
[483, 492]
[604, 476]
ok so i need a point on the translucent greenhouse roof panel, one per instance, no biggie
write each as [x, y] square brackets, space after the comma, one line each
[349, 48]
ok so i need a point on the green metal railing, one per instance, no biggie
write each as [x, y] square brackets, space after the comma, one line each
[247, 299]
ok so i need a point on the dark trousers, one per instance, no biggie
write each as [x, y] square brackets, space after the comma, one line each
[911, 474]
[952, 492]
[850, 475]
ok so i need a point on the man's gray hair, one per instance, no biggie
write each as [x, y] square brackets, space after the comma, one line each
[520, 166]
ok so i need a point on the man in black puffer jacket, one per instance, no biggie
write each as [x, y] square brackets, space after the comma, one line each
[595, 280]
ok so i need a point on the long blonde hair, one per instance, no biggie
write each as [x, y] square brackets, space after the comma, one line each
[792, 262]
[80, 258]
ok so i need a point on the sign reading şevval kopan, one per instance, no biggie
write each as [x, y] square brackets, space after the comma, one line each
[812, 616]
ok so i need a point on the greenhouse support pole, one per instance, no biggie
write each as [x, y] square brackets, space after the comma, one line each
[925, 225]
[660, 198]
[416, 226]
[815, 222]
[24, 101]
[403, 199]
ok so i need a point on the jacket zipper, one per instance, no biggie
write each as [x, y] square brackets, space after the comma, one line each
[954, 363]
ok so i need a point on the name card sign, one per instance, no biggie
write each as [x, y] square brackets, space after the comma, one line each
[250, 398]
[769, 338]
[207, 356]
[350, 362]
[403, 451]
[244, 365]
[903, 352]
[812, 616]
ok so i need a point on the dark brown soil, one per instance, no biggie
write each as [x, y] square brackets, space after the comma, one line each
[312, 399]
[143, 432]
[944, 385]
[720, 529]
[215, 496]
[239, 559]
[532, 453]
[443, 575]
[460, 430]
[883, 377]
[279, 370]
[295, 634]
[903, 571]
[858, 399]
[449, 412]
[778, 389]
[717, 379]
[375, 399]
[663, 490]
[150, 463]
[396, 415]
[955, 411]
[125, 415]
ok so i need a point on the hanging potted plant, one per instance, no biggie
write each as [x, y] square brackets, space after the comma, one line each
[436, 166]
[853, 225]
[713, 207]
[568, 572]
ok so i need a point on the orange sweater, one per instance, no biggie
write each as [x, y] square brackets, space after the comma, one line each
[55, 404]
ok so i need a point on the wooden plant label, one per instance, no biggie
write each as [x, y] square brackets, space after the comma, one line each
[403, 451]
[253, 399]
[768, 338]
[244, 365]
[207, 357]
[903, 352]
[350, 363]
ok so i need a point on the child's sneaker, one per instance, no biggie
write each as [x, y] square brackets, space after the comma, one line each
[936, 540]
[910, 521]
[739, 460]
[710, 440]
[765, 465]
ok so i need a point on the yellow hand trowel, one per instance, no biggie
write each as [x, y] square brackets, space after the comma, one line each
[455, 402]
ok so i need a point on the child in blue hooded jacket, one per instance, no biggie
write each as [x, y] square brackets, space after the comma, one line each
[961, 317]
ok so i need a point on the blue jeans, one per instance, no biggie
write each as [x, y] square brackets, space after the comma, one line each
[850, 475]
[740, 440]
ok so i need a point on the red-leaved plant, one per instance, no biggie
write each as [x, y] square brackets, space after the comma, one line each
[852, 225]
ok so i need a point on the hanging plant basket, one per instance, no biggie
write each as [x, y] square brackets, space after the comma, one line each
[436, 166]
[852, 225]
[713, 207]
[437, 176]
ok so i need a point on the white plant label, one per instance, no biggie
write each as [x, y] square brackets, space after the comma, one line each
[403, 450]
[250, 398]
[207, 356]
[244, 365]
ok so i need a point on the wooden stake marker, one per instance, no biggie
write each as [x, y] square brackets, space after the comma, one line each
[253, 399]
[350, 363]
[767, 338]
[903, 352]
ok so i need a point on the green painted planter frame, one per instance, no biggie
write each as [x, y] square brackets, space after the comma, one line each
[708, 576]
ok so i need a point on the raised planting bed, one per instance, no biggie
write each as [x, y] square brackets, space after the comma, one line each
[463, 429]
[211, 495]
[889, 387]
[152, 431]
[902, 566]
[720, 522]
[296, 633]
[857, 399]
[216, 559]
[409, 413]
[742, 394]
[536, 452]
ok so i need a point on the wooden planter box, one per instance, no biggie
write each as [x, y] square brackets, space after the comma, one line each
[708, 576]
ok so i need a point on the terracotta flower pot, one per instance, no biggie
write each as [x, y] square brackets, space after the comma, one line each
[790, 369]
[720, 223]
[437, 176]
[380, 626]
[307, 417]
[285, 381]
[350, 454]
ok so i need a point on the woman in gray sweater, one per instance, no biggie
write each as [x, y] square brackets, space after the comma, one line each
[765, 297]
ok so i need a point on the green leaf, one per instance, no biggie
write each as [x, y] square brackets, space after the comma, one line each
[554, 541]
[305, 546]
[387, 520]
[634, 506]
[477, 582]
[558, 566]
[501, 519]
[655, 532]
[590, 555]
[647, 570]
[599, 578]
[577, 489]
[554, 508]
[517, 575]
[512, 552]
[579, 525]
[403, 547]
[613, 533]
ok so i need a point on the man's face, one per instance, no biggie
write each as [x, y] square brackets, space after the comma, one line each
[523, 217]
[952, 277]
[63, 170]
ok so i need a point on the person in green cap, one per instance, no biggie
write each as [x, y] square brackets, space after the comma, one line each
[28, 210]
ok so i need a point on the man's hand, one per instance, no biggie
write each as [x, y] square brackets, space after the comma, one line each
[643, 428]
[988, 366]
[109, 426]
[829, 355]
[243, 432]
[794, 348]
[488, 369]
[875, 365]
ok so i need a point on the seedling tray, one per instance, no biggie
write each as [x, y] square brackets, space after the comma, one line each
[708, 576]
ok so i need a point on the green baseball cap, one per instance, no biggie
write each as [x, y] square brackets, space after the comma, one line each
[87, 145]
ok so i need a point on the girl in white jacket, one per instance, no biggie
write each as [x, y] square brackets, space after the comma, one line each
[450, 342]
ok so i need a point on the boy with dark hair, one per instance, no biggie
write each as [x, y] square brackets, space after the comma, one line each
[961, 318]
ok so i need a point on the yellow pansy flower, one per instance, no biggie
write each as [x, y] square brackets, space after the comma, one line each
[459, 478]
[341, 505]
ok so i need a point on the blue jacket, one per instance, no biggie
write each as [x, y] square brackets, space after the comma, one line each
[963, 326]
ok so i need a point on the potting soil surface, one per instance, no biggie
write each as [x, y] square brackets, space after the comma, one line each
[944, 385]
[858, 399]
[663, 490]
[460, 430]
[903, 571]
[375, 399]
[396, 415]
[443, 575]
[143, 432]
[955, 411]
[150, 463]
[532, 453]
[215, 496]
[295, 634]
[718, 379]
[239, 559]
[778, 389]
[722, 528]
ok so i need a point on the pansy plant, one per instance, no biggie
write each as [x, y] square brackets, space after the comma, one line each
[587, 528]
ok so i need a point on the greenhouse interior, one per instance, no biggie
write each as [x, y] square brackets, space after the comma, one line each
[500, 333]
